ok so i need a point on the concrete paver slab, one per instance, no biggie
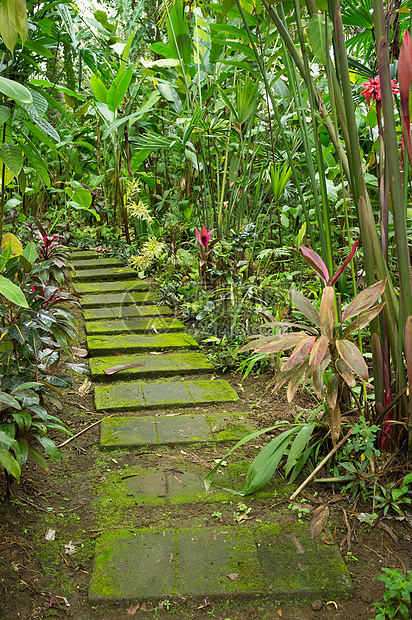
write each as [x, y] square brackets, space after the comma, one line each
[164, 365]
[126, 431]
[77, 254]
[125, 312]
[121, 326]
[280, 561]
[136, 397]
[96, 263]
[133, 565]
[132, 343]
[115, 273]
[117, 299]
[85, 288]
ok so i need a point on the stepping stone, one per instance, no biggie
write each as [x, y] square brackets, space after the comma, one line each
[96, 263]
[117, 299]
[121, 326]
[132, 343]
[84, 288]
[127, 432]
[147, 366]
[116, 273]
[140, 396]
[125, 312]
[84, 254]
[280, 561]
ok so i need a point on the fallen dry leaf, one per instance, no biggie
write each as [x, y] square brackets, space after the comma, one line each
[132, 610]
[69, 549]
[79, 352]
[50, 534]
[233, 576]
[319, 520]
[388, 530]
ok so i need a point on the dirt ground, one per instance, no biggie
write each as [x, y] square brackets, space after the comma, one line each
[42, 578]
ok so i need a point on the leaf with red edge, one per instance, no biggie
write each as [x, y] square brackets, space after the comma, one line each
[363, 320]
[299, 353]
[351, 355]
[318, 352]
[345, 263]
[364, 300]
[405, 79]
[345, 372]
[314, 260]
[282, 377]
[327, 312]
[299, 376]
[282, 342]
[305, 307]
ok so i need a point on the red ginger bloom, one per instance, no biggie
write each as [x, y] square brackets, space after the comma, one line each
[203, 236]
[372, 89]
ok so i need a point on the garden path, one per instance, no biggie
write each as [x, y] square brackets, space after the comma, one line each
[160, 391]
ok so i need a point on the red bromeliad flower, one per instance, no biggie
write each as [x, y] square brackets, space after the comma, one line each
[203, 236]
[372, 89]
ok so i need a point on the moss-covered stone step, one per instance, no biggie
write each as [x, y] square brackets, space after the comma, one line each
[122, 397]
[117, 299]
[276, 560]
[85, 288]
[131, 432]
[96, 263]
[133, 343]
[125, 312]
[143, 326]
[77, 254]
[146, 366]
[99, 275]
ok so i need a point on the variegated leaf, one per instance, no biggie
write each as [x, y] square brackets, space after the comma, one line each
[345, 372]
[317, 375]
[327, 312]
[282, 342]
[299, 376]
[351, 355]
[332, 390]
[305, 307]
[335, 423]
[282, 377]
[256, 341]
[362, 320]
[299, 353]
[364, 300]
[314, 260]
[318, 352]
[308, 329]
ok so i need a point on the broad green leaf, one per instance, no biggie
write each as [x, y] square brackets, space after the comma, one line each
[169, 93]
[38, 458]
[163, 62]
[11, 240]
[83, 197]
[317, 36]
[351, 355]
[15, 91]
[298, 445]
[9, 463]
[36, 162]
[49, 446]
[305, 307]
[30, 253]
[132, 118]
[98, 88]
[13, 22]
[118, 89]
[227, 5]
[363, 320]
[59, 87]
[24, 449]
[126, 50]
[8, 175]
[4, 114]
[101, 17]
[364, 300]
[8, 401]
[44, 125]
[12, 292]
[178, 33]
[12, 157]
[264, 465]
